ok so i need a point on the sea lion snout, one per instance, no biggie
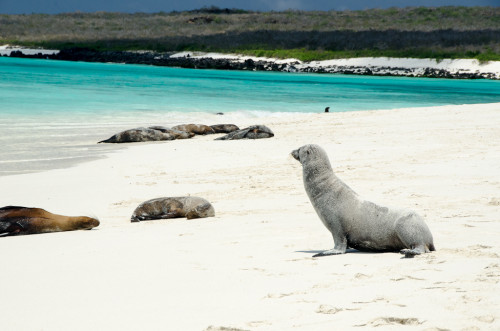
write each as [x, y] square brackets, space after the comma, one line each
[295, 155]
[86, 223]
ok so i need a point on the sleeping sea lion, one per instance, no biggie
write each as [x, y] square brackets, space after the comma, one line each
[138, 135]
[15, 220]
[163, 208]
[195, 128]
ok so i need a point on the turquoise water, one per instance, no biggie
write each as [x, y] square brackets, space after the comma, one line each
[52, 112]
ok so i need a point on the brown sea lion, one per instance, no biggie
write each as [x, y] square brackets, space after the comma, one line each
[163, 208]
[138, 135]
[15, 220]
[200, 129]
[353, 221]
[177, 134]
[224, 128]
[252, 132]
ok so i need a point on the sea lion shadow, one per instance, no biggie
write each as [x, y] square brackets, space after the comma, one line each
[349, 250]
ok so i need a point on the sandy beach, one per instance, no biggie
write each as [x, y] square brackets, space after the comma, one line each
[251, 267]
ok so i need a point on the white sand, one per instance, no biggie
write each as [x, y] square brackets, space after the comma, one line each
[251, 266]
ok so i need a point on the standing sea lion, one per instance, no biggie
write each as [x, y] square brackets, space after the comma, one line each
[16, 220]
[163, 208]
[355, 222]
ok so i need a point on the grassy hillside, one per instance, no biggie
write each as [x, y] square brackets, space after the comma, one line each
[465, 32]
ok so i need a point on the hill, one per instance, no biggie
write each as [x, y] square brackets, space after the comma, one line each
[442, 32]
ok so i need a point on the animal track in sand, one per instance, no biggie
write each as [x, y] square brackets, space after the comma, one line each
[472, 251]
[494, 202]
[377, 299]
[491, 274]
[381, 321]
[258, 323]
[486, 319]
[223, 328]
[326, 309]
[405, 277]
[282, 295]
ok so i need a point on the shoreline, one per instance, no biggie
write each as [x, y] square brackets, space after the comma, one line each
[97, 151]
[406, 67]
[250, 267]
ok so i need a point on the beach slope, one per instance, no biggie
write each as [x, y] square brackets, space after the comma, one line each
[250, 267]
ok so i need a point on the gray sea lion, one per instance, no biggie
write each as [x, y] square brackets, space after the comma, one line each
[200, 129]
[252, 132]
[173, 207]
[224, 128]
[138, 135]
[16, 220]
[177, 134]
[355, 222]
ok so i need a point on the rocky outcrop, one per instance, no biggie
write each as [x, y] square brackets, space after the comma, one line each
[260, 64]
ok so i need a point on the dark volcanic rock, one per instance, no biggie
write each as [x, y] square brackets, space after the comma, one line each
[164, 59]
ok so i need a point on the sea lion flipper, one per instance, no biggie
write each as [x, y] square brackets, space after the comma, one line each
[13, 229]
[332, 251]
[410, 253]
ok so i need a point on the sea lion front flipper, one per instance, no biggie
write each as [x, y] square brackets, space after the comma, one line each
[13, 229]
[410, 253]
[332, 251]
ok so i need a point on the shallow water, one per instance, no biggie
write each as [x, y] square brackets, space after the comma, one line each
[52, 113]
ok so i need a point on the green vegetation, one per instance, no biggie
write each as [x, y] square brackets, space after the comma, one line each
[443, 32]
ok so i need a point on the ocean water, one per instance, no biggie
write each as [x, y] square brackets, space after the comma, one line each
[52, 113]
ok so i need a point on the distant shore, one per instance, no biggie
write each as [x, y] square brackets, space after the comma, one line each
[384, 66]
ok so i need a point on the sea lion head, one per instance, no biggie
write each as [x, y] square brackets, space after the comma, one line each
[309, 152]
[200, 211]
[84, 223]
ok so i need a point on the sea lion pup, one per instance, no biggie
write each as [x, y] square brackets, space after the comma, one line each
[195, 128]
[224, 128]
[355, 222]
[15, 220]
[251, 132]
[138, 135]
[177, 134]
[163, 208]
